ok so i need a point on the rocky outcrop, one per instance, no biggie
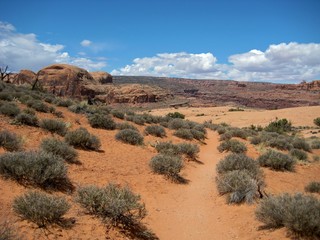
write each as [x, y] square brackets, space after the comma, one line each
[64, 79]
[101, 77]
[24, 77]
[126, 93]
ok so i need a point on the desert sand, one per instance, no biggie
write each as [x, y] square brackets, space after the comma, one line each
[175, 211]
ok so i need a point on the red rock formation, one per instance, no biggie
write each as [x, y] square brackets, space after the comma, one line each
[24, 77]
[101, 77]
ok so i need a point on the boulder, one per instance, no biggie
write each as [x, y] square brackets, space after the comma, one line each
[64, 79]
[24, 77]
[101, 77]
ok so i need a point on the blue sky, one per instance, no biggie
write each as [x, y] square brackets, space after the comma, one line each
[248, 40]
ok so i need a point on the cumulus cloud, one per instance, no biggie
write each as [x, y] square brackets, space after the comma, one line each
[25, 51]
[86, 43]
[290, 62]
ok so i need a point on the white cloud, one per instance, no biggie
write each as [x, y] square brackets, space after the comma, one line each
[86, 43]
[25, 51]
[290, 62]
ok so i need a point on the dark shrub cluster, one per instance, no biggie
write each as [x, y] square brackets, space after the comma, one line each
[27, 117]
[313, 187]
[168, 165]
[114, 203]
[126, 125]
[78, 108]
[167, 148]
[59, 148]
[276, 161]
[10, 141]
[155, 130]
[232, 145]
[61, 102]
[7, 231]
[9, 109]
[316, 121]
[81, 138]
[118, 114]
[176, 115]
[315, 144]
[299, 154]
[54, 126]
[184, 134]
[6, 96]
[178, 123]
[38, 105]
[102, 121]
[130, 136]
[187, 149]
[35, 168]
[298, 213]
[279, 126]
[300, 143]
[41, 208]
[280, 143]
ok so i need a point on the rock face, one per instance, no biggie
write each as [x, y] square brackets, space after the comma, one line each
[101, 77]
[126, 93]
[24, 77]
[64, 79]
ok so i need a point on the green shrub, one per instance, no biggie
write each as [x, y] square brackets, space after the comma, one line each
[9, 109]
[10, 141]
[155, 130]
[279, 126]
[316, 121]
[130, 136]
[198, 135]
[301, 143]
[59, 148]
[54, 126]
[255, 140]
[184, 134]
[188, 149]
[239, 162]
[118, 114]
[116, 204]
[232, 145]
[41, 169]
[151, 119]
[7, 231]
[40, 208]
[6, 96]
[276, 161]
[81, 138]
[167, 148]
[299, 154]
[126, 125]
[178, 123]
[315, 144]
[167, 165]
[313, 187]
[26, 119]
[137, 119]
[238, 185]
[221, 130]
[38, 105]
[63, 102]
[298, 213]
[279, 143]
[236, 109]
[78, 108]
[101, 121]
[176, 115]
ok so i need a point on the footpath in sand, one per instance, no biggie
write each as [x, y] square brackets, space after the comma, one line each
[196, 210]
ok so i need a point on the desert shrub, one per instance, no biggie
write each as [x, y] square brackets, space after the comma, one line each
[299, 213]
[7, 231]
[54, 126]
[313, 187]
[114, 203]
[176, 115]
[178, 123]
[316, 121]
[35, 168]
[10, 141]
[155, 130]
[151, 119]
[276, 161]
[280, 143]
[81, 138]
[168, 165]
[9, 109]
[238, 185]
[255, 140]
[6, 96]
[130, 136]
[167, 148]
[138, 119]
[49, 99]
[26, 119]
[102, 121]
[59, 148]
[184, 134]
[237, 109]
[232, 145]
[238, 132]
[78, 108]
[126, 125]
[188, 149]
[58, 114]
[299, 154]
[38, 105]
[315, 144]
[279, 126]
[63, 102]
[301, 143]
[118, 114]
[198, 135]
[239, 162]
[225, 136]
[40, 208]
[221, 129]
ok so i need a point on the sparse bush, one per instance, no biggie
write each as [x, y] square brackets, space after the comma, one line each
[54, 126]
[81, 138]
[188, 149]
[116, 204]
[38, 105]
[184, 134]
[63, 102]
[59, 148]
[313, 187]
[301, 143]
[315, 144]
[10, 141]
[276, 161]
[118, 114]
[299, 154]
[316, 121]
[232, 145]
[299, 213]
[176, 115]
[40, 208]
[102, 121]
[35, 168]
[9, 109]
[126, 125]
[167, 165]
[26, 119]
[7, 232]
[130, 136]
[279, 126]
[155, 130]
